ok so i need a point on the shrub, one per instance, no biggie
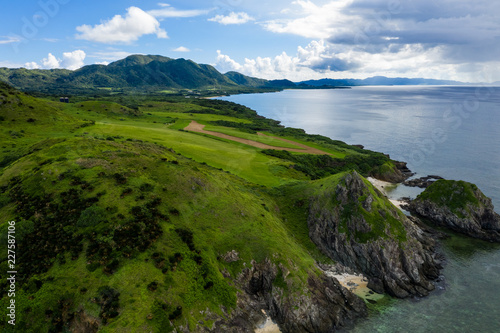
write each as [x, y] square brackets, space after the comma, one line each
[146, 187]
[91, 217]
[120, 179]
[110, 303]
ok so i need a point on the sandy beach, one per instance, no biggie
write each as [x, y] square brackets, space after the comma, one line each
[382, 187]
[268, 327]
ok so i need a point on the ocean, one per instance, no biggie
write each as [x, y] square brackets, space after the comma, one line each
[449, 131]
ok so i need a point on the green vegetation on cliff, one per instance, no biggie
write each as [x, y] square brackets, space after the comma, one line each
[456, 195]
[460, 206]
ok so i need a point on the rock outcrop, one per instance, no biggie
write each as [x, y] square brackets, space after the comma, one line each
[422, 182]
[354, 224]
[396, 172]
[459, 206]
[323, 306]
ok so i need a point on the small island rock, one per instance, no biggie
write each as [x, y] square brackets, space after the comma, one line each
[459, 206]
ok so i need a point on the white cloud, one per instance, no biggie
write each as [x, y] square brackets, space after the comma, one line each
[73, 60]
[110, 55]
[50, 62]
[181, 49]
[319, 59]
[10, 64]
[50, 40]
[224, 63]
[9, 39]
[70, 60]
[314, 21]
[450, 39]
[31, 65]
[119, 29]
[311, 61]
[169, 11]
[232, 18]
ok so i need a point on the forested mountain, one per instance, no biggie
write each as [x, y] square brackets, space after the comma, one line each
[133, 72]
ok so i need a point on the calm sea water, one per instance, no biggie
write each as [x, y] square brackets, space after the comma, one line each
[452, 132]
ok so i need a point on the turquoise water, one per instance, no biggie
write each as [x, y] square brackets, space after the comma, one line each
[452, 132]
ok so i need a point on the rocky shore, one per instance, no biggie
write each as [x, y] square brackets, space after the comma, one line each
[459, 206]
[369, 235]
[422, 182]
[325, 307]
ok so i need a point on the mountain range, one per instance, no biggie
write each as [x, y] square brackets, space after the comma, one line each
[151, 73]
[145, 72]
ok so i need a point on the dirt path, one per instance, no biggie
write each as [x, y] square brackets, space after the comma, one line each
[197, 127]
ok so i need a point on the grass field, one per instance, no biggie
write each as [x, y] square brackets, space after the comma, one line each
[162, 127]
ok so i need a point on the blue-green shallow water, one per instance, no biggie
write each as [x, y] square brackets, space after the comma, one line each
[453, 132]
[470, 301]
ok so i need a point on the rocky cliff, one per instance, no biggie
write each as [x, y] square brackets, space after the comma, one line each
[460, 206]
[354, 224]
[323, 306]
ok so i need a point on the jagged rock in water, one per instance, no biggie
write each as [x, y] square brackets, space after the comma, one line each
[324, 306]
[354, 224]
[422, 182]
[459, 206]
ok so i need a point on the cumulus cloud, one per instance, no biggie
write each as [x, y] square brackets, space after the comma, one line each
[31, 65]
[320, 59]
[50, 62]
[232, 18]
[181, 49]
[409, 38]
[73, 60]
[123, 29]
[70, 60]
[313, 60]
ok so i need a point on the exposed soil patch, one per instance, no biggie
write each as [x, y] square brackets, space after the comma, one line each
[199, 128]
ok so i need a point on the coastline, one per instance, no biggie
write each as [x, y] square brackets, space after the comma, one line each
[461, 253]
[268, 326]
[382, 186]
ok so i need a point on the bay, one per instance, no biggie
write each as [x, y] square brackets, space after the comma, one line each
[440, 130]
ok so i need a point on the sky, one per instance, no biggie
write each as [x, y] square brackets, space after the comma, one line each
[280, 39]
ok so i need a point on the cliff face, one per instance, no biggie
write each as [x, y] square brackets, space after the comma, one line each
[354, 224]
[323, 306]
[460, 206]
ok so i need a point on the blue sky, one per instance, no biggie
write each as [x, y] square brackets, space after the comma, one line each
[298, 40]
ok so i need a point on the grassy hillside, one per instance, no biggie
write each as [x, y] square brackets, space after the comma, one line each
[124, 220]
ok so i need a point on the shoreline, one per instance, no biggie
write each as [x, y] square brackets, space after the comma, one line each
[381, 186]
[269, 326]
